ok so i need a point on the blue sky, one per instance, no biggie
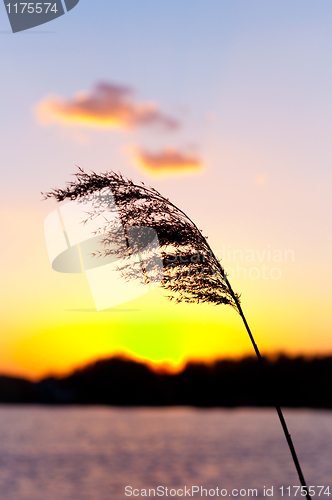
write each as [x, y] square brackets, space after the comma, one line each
[250, 82]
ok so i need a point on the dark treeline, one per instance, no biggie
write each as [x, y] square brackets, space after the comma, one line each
[117, 381]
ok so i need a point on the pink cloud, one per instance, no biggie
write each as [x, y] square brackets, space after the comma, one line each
[168, 161]
[106, 106]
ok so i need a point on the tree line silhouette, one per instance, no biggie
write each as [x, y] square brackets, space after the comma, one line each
[301, 383]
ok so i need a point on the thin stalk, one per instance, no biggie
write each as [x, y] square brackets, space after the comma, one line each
[263, 367]
[260, 359]
[277, 407]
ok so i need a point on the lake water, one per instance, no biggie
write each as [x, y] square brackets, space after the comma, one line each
[93, 453]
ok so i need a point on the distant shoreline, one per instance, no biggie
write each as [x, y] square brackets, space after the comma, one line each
[301, 383]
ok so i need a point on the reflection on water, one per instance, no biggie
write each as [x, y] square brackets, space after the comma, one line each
[94, 452]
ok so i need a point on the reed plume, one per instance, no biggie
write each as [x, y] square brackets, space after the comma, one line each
[191, 271]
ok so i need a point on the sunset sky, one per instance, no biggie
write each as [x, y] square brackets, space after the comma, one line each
[226, 108]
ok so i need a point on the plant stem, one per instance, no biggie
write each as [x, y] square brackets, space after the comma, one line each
[262, 365]
[277, 407]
